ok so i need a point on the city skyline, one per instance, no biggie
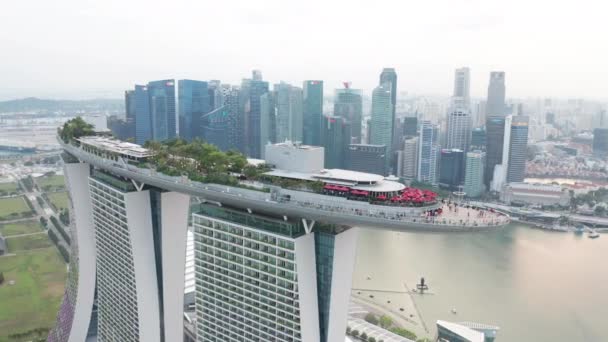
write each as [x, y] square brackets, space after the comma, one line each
[93, 62]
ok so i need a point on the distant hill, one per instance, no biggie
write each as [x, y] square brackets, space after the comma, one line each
[33, 104]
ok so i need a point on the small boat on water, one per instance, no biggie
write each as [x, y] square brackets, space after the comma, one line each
[593, 235]
[454, 311]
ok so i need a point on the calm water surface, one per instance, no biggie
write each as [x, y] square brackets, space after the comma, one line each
[535, 285]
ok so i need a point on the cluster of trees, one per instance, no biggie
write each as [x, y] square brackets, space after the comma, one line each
[36, 335]
[198, 160]
[65, 254]
[59, 228]
[74, 129]
[28, 182]
[594, 199]
[64, 216]
[1, 278]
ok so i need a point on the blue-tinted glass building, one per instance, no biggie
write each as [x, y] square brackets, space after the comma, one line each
[194, 101]
[219, 127]
[257, 88]
[162, 109]
[143, 120]
[313, 111]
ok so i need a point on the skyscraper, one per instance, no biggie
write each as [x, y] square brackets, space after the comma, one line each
[289, 121]
[410, 126]
[263, 278]
[600, 142]
[462, 85]
[162, 109]
[473, 178]
[256, 89]
[336, 131]
[518, 145]
[451, 169]
[312, 112]
[218, 127]
[478, 139]
[428, 153]
[382, 116]
[459, 128]
[409, 159]
[143, 120]
[389, 76]
[194, 101]
[267, 120]
[348, 104]
[495, 133]
[368, 158]
[495, 105]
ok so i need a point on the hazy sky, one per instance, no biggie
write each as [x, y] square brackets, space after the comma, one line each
[86, 48]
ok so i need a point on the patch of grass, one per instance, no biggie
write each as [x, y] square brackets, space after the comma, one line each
[33, 301]
[8, 188]
[23, 243]
[59, 200]
[25, 227]
[48, 183]
[13, 208]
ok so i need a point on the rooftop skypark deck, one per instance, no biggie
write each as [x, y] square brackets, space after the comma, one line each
[377, 203]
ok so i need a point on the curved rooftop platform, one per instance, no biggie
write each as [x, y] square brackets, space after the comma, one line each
[287, 203]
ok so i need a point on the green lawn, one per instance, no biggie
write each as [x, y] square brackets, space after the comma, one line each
[23, 243]
[7, 188]
[59, 200]
[48, 183]
[33, 301]
[13, 208]
[25, 227]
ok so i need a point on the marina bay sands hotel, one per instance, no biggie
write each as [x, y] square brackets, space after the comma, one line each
[271, 264]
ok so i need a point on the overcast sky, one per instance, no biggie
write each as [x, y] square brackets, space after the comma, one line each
[86, 48]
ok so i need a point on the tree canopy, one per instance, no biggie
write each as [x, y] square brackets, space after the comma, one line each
[75, 128]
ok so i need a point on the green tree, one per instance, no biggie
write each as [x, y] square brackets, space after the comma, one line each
[371, 339]
[364, 336]
[385, 321]
[371, 318]
[1, 278]
[355, 333]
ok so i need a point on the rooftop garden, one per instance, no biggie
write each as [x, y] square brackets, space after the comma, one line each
[74, 129]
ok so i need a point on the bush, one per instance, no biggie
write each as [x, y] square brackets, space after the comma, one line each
[404, 333]
[385, 322]
[364, 336]
[355, 333]
[371, 339]
[59, 228]
[371, 318]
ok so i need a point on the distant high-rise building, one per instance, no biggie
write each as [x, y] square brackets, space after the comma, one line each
[267, 121]
[478, 139]
[382, 117]
[289, 121]
[367, 158]
[194, 101]
[600, 142]
[473, 178]
[550, 118]
[256, 75]
[162, 109]
[252, 91]
[499, 177]
[143, 121]
[600, 119]
[451, 169]
[516, 169]
[348, 104]
[410, 126]
[459, 128]
[312, 98]
[462, 85]
[495, 105]
[428, 152]
[336, 131]
[124, 128]
[219, 127]
[215, 92]
[389, 76]
[495, 134]
[409, 159]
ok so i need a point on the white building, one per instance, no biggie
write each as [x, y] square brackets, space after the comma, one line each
[535, 194]
[295, 157]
